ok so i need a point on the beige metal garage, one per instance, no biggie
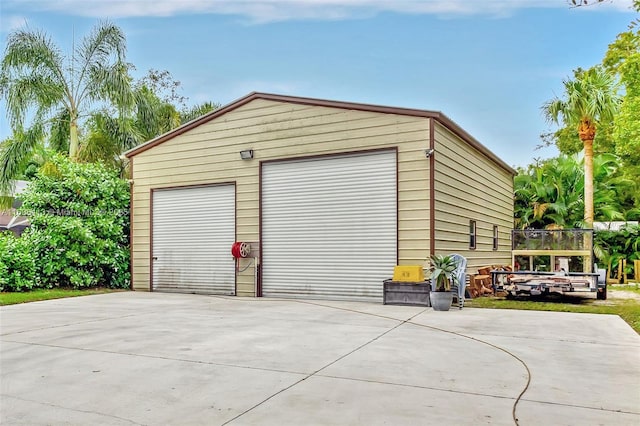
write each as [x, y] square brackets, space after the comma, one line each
[331, 194]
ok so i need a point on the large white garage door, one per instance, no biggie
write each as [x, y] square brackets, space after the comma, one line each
[193, 230]
[329, 226]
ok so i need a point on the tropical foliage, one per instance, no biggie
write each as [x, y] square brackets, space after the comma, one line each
[151, 116]
[79, 225]
[549, 195]
[91, 110]
[66, 110]
[55, 91]
[613, 246]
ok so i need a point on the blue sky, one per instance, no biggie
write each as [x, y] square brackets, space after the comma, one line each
[489, 65]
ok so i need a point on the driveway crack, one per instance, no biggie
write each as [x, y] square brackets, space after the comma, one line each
[400, 323]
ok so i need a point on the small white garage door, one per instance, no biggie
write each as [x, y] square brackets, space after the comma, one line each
[329, 226]
[193, 230]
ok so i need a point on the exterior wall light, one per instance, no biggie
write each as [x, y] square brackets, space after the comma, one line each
[246, 154]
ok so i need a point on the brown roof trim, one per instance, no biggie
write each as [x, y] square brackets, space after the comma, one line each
[438, 116]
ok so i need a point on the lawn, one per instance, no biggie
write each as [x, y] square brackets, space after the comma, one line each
[37, 295]
[622, 300]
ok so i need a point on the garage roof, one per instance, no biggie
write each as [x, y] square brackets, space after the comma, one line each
[436, 115]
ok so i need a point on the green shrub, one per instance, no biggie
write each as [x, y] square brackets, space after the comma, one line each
[79, 225]
[17, 263]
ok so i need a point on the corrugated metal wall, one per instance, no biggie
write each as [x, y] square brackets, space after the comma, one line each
[329, 226]
[193, 230]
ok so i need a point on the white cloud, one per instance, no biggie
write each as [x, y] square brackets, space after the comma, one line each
[9, 23]
[261, 11]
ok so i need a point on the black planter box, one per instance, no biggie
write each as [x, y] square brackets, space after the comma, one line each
[407, 294]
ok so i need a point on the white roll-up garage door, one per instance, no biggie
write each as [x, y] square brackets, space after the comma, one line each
[193, 230]
[329, 226]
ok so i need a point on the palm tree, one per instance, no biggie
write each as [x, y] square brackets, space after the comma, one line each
[151, 116]
[108, 135]
[55, 92]
[590, 99]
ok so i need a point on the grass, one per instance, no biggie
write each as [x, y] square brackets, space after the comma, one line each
[627, 309]
[38, 295]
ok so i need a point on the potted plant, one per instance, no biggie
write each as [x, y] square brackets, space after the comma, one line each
[442, 274]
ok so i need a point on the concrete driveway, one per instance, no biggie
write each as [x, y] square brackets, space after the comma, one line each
[171, 359]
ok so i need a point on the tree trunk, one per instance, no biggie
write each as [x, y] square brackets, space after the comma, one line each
[588, 183]
[73, 139]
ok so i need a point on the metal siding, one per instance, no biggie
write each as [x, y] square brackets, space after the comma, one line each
[470, 186]
[193, 230]
[208, 154]
[329, 226]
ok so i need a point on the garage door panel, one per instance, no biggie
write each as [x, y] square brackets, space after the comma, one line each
[329, 226]
[193, 229]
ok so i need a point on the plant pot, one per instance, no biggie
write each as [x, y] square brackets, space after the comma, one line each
[408, 294]
[441, 300]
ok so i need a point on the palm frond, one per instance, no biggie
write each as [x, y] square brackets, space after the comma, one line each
[95, 53]
[15, 154]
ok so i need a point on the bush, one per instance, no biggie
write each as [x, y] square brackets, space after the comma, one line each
[79, 225]
[17, 263]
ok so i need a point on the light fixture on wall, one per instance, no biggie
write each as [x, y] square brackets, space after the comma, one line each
[246, 154]
[429, 152]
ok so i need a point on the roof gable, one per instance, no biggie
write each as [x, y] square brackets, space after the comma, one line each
[436, 115]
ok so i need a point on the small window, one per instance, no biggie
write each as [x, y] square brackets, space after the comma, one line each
[495, 237]
[472, 234]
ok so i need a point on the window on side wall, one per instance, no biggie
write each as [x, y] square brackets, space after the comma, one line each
[495, 237]
[472, 234]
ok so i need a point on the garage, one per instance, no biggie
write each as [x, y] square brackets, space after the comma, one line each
[329, 226]
[193, 229]
[330, 195]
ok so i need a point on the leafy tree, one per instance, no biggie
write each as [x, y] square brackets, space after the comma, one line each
[79, 225]
[39, 82]
[162, 84]
[589, 100]
[623, 58]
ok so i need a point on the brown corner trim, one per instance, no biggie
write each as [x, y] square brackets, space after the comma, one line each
[259, 283]
[432, 189]
[235, 233]
[131, 224]
[150, 239]
[397, 208]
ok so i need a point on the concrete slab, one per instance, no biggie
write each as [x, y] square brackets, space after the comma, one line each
[323, 401]
[113, 387]
[152, 358]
